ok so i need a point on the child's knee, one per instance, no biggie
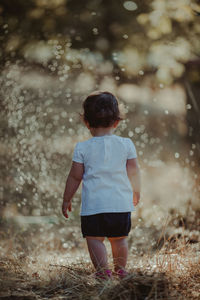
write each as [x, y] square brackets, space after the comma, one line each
[96, 238]
[117, 239]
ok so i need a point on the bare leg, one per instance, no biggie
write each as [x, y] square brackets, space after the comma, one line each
[98, 253]
[119, 251]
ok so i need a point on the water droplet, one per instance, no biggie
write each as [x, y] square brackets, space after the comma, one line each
[63, 114]
[95, 31]
[177, 155]
[141, 72]
[137, 129]
[130, 5]
[125, 36]
[130, 133]
[188, 106]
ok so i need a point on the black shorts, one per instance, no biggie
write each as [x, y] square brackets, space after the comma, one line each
[106, 224]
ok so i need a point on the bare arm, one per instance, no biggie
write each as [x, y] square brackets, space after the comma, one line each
[73, 181]
[133, 173]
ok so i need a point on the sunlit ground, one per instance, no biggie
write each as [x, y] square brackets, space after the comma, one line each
[51, 272]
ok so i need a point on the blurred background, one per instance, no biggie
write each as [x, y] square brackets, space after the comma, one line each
[53, 53]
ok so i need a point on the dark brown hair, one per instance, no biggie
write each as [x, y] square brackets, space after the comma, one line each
[101, 109]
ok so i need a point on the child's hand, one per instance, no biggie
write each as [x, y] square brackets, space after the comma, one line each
[136, 198]
[66, 206]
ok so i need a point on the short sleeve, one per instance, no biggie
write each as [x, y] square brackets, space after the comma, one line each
[131, 150]
[78, 155]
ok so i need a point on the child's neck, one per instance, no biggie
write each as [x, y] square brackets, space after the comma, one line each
[101, 131]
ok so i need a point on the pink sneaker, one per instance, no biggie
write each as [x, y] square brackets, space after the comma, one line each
[122, 273]
[103, 274]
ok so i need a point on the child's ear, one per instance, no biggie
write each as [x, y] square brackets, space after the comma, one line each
[116, 123]
[87, 124]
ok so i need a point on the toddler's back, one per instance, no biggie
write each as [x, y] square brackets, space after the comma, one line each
[106, 187]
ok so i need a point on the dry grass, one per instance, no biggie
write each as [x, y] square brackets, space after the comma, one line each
[169, 279]
[47, 271]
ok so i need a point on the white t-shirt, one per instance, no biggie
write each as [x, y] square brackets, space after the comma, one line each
[105, 186]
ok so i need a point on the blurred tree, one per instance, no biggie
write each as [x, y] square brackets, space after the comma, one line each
[157, 35]
[137, 37]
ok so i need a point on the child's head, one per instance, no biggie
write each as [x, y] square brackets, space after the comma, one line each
[101, 110]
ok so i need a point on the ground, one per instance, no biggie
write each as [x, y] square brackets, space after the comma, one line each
[46, 270]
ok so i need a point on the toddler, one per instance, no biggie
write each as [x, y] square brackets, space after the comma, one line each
[108, 168]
